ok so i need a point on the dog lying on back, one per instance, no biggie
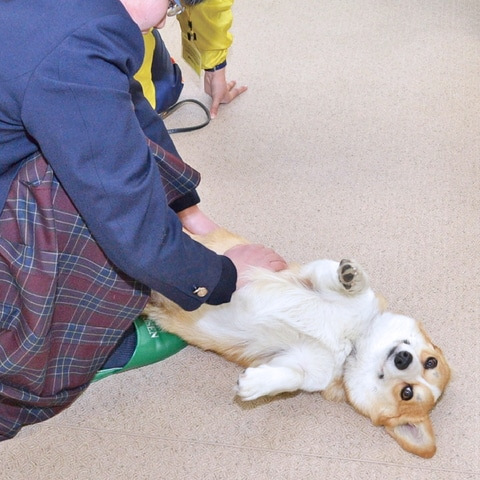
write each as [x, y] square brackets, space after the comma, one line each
[320, 327]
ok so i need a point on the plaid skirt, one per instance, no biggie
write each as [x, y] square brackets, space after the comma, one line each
[63, 305]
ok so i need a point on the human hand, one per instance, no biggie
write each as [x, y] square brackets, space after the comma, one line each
[253, 255]
[221, 91]
[196, 222]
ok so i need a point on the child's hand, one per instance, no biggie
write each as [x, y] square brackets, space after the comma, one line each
[221, 91]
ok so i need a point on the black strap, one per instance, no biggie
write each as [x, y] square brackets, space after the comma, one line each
[175, 107]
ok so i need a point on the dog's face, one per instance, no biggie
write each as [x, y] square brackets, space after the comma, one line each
[396, 377]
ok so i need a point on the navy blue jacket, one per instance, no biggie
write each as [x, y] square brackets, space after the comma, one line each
[67, 89]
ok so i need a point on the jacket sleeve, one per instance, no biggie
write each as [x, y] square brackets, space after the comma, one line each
[78, 107]
[181, 194]
[207, 25]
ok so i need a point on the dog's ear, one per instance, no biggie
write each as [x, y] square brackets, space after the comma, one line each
[416, 437]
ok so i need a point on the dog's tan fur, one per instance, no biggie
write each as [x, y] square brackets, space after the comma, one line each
[320, 327]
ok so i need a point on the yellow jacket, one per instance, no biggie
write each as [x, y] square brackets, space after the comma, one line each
[205, 37]
[207, 25]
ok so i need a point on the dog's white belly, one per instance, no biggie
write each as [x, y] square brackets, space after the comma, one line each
[264, 332]
[292, 346]
[283, 313]
[298, 326]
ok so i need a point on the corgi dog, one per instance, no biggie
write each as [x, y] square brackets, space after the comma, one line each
[320, 327]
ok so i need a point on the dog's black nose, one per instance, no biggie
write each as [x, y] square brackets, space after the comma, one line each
[403, 359]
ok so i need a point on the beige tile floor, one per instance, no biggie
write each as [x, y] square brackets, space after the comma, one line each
[359, 137]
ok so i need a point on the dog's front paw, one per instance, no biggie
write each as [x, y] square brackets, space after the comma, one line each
[351, 276]
[253, 383]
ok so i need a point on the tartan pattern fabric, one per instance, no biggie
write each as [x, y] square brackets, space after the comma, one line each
[178, 178]
[63, 305]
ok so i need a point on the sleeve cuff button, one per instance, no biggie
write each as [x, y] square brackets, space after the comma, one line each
[200, 292]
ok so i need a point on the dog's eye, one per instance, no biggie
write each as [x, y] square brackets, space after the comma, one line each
[430, 363]
[407, 393]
